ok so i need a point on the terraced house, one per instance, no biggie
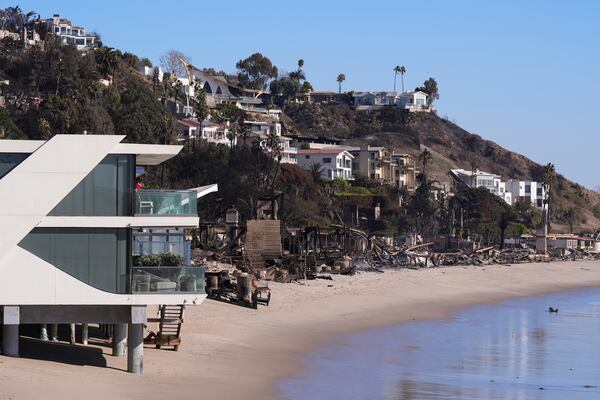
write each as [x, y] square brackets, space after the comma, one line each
[71, 220]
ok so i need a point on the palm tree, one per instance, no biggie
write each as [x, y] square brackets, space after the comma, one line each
[425, 157]
[548, 178]
[316, 170]
[473, 171]
[396, 72]
[402, 71]
[178, 86]
[341, 78]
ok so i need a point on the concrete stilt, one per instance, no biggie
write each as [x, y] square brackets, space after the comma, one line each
[135, 349]
[10, 340]
[72, 335]
[119, 340]
[44, 332]
[54, 332]
[10, 331]
[84, 334]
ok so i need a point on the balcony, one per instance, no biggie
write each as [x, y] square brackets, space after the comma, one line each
[164, 279]
[166, 202]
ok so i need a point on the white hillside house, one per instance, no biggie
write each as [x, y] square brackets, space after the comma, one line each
[477, 178]
[335, 162]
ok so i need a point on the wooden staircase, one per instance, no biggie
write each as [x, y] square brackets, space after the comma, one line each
[263, 241]
[169, 327]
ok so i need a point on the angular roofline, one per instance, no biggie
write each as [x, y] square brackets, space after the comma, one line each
[146, 154]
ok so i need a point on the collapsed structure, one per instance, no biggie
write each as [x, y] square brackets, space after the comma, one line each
[69, 211]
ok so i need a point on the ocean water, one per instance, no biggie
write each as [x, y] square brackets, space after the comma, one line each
[511, 350]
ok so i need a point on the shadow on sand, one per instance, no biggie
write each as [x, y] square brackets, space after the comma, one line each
[61, 352]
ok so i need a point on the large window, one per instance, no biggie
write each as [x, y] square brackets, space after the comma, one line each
[96, 256]
[106, 191]
[10, 160]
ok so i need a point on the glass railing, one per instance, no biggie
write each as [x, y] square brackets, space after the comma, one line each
[146, 247]
[167, 280]
[166, 202]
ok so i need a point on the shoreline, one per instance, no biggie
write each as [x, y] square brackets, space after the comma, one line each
[234, 352]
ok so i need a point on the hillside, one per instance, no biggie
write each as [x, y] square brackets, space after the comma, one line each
[452, 147]
[51, 89]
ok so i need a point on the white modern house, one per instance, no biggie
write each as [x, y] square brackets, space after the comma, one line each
[71, 34]
[68, 213]
[532, 191]
[489, 181]
[335, 162]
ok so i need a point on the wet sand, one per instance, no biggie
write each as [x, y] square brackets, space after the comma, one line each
[509, 350]
[233, 352]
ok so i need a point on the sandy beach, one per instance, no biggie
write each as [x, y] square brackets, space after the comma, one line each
[234, 352]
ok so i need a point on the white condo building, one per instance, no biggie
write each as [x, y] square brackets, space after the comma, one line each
[70, 217]
[532, 191]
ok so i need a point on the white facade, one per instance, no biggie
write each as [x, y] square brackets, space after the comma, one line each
[190, 129]
[412, 101]
[150, 71]
[477, 178]
[532, 191]
[35, 186]
[260, 130]
[335, 163]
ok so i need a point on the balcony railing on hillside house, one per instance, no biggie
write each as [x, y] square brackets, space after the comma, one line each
[166, 202]
[166, 279]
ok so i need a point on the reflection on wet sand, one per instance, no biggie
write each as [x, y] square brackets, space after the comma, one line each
[513, 350]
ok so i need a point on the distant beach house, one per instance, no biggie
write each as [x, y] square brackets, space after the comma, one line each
[71, 34]
[335, 162]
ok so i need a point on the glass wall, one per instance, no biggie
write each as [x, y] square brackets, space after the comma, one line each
[166, 202]
[106, 191]
[10, 160]
[96, 256]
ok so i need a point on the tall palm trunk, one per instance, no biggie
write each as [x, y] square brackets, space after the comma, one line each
[395, 76]
[402, 78]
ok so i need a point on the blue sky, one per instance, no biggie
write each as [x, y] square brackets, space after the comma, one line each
[523, 74]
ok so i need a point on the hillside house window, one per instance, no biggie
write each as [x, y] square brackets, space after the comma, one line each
[307, 157]
[327, 160]
[539, 191]
[527, 188]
